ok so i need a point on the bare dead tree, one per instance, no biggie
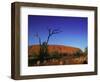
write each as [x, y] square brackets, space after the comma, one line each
[44, 45]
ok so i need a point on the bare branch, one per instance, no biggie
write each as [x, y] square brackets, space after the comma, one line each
[56, 31]
[49, 30]
[52, 32]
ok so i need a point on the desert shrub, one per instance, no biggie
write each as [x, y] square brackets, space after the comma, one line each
[78, 53]
[32, 59]
[55, 55]
[85, 62]
[64, 54]
[33, 56]
[31, 62]
[86, 51]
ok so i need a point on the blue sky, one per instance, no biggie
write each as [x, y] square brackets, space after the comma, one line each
[74, 30]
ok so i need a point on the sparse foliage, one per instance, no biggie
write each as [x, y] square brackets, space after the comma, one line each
[86, 50]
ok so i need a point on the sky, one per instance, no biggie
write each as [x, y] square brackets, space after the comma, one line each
[74, 30]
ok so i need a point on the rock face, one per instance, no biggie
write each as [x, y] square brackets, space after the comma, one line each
[55, 48]
[58, 55]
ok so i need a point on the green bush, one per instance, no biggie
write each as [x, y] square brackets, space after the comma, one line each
[32, 59]
[55, 55]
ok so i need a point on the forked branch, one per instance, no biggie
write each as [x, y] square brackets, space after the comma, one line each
[52, 32]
